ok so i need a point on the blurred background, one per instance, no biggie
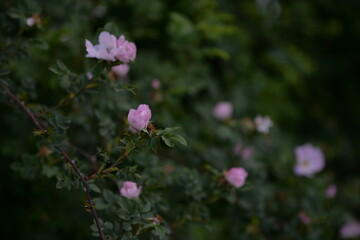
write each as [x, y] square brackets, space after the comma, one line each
[295, 61]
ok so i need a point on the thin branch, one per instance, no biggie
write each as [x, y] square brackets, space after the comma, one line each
[64, 102]
[23, 106]
[87, 191]
[65, 155]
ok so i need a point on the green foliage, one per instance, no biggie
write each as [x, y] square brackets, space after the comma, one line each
[283, 59]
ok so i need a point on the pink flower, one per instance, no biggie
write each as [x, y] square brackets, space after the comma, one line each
[247, 153]
[236, 176]
[156, 84]
[350, 229]
[121, 70]
[111, 49]
[331, 191]
[309, 160]
[304, 218]
[130, 190]
[263, 124]
[223, 110]
[139, 119]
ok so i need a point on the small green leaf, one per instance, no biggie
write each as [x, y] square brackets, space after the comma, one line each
[55, 69]
[127, 226]
[94, 188]
[179, 139]
[166, 131]
[99, 203]
[154, 144]
[167, 141]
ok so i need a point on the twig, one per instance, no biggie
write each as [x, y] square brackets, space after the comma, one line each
[63, 103]
[65, 155]
[22, 105]
[87, 191]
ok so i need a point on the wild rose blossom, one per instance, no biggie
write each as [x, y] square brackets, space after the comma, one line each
[244, 152]
[350, 229]
[304, 218]
[111, 49]
[263, 124]
[223, 110]
[309, 160]
[139, 119]
[236, 176]
[331, 191]
[121, 70]
[130, 190]
[156, 84]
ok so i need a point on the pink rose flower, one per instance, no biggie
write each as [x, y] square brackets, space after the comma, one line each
[244, 152]
[304, 218]
[350, 229]
[331, 191]
[139, 119]
[121, 70]
[130, 190]
[247, 153]
[263, 124]
[223, 110]
[156, 84]
[309, 160]
[111, 49]
[236, 176]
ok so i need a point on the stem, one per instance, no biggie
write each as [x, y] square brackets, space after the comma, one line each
[62, 103]
[23, 106]
[86, 189]
[65, 155]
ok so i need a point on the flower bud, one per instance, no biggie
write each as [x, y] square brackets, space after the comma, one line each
[223, 110]
[130, 190]
[139, 119]
[236, 176]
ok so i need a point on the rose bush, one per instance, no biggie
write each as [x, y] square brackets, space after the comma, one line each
[154, 152]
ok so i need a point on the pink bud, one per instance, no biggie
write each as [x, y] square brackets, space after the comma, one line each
[247, 153]
[223, 110]
[304, 218]
[331, 191]
[139, 119]
[236, 176]
[121, 70]
[350, 229]
[130, 190]
[155, 84]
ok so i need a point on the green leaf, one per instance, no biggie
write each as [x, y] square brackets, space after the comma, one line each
[167, 141]
[94, 188]
[179, 139]
[154, 144]
[99, 203]
[127, 226]
[166, 131]
[55, 69]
